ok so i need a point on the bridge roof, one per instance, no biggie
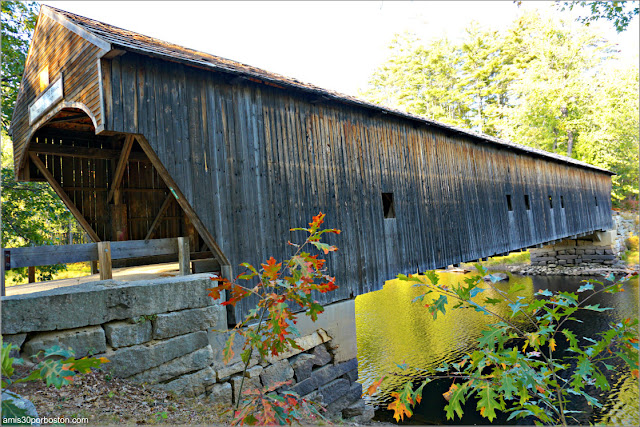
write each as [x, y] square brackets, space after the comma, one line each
[111, 37]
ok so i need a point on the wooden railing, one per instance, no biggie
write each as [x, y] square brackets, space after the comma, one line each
[103, 252]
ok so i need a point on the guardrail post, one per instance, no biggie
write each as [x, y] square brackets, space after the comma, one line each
[184, 256]
[94, 267]
[32, 274]
[104, 257]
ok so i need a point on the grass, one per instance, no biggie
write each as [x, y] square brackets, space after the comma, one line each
[78, 269]
[512, 258]
[631, 255]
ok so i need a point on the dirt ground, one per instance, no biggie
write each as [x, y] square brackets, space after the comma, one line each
[111, 401]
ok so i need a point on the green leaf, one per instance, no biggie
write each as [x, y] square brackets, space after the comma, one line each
[56, 350]
[433, 277]
[587, 287]
[476, 291]
[494, 278]
[456, 400]
[490, 336]
[508, 386]
[492, 301]
[487, 403]
[516, 307]
[516, 287]
[545, 292]
[10, 410]
[597, 308]
[601, 381]
[439, 305]
[419, 298]
[245, 355]
[54, 373]
[85, 364]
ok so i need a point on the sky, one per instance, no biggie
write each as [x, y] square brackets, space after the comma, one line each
[334, 45]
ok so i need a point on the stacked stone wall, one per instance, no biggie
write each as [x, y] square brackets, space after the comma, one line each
[625, 228]
[581, 251]
[171, 334]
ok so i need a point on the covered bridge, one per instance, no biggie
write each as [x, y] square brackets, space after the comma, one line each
[146, 139]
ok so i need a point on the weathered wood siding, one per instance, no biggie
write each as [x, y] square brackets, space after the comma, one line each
[253, 161]
[64, 52]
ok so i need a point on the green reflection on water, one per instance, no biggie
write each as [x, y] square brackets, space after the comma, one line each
[391, 329]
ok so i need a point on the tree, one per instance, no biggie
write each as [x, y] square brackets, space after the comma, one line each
[268, 329]
[611, 138]
[552, 92]
[620, 13]
[18, 24]
[32, 214]
[420, 79]
[539, 82]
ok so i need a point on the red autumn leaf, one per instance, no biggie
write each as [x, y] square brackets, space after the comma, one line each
[317, 220]
[214, 292]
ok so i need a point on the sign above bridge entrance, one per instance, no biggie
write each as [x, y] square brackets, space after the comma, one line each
[47, 100]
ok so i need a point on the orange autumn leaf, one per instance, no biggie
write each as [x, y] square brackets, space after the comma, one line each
[399, 409]
[447, 395]
[634, 373]
[552, 344]
[539, 388]
[373, 387]
[317, 220]
[271, 269]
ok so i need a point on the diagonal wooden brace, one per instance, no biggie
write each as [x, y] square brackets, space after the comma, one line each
[122, 164]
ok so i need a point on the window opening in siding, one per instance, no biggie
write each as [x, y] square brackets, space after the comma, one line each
[562, 202]
[509, 205]
[550, 202]
[388, 208]
[526, 202]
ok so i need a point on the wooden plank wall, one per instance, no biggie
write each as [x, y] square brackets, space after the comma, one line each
[254, 161]
[63, 52]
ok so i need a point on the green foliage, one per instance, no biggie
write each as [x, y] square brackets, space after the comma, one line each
[145, 318]
[18, 23]
[541, 82]
[55, 366]
[516, 368]
[32, 215]
[270, 329]
[620, 13]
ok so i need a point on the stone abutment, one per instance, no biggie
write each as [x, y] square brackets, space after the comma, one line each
[171, 334]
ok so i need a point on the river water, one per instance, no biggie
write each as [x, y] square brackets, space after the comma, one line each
[391, 329]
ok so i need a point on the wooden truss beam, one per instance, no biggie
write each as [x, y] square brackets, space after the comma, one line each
[122, 164]
[65, 198]
[83, 152]
[156, 221]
